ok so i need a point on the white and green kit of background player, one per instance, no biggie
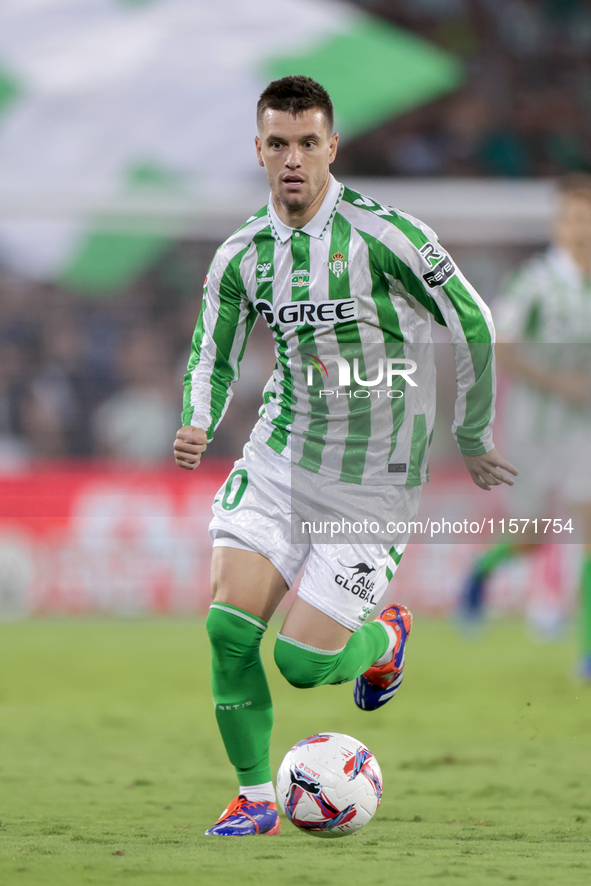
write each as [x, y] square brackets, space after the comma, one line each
[545, 312]
[357, 286]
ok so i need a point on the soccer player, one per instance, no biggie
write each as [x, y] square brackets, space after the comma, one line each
[331, 272]
[545, 320]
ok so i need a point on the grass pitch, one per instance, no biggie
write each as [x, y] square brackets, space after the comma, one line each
[111, 767]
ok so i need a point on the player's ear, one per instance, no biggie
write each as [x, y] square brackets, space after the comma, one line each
[258, 146]
[332, 146]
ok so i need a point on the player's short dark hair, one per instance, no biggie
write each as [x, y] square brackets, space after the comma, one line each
[295, 94]
[575, 184]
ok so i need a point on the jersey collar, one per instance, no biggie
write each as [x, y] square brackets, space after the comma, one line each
[318, 224]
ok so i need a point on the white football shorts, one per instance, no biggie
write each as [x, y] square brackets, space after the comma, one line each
[253, 511]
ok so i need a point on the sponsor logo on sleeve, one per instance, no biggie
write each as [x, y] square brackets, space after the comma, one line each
[442, 267]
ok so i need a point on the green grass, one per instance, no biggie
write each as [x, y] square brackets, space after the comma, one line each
[111, 767]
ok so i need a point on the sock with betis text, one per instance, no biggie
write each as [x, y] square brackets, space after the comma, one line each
[241, 696]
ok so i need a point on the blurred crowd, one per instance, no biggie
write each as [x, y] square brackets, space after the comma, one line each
[526, 108]
[102, 377]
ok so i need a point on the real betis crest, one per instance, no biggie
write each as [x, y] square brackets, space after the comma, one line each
[338, 265]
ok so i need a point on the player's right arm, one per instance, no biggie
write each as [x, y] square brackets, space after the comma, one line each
[189, 446]
[225, 322]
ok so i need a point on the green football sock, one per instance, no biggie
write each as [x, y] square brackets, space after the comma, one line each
[241, 696]
[491, 558]
[305, 666]
[586, 602]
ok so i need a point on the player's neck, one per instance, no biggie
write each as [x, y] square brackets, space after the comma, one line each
[300, 218]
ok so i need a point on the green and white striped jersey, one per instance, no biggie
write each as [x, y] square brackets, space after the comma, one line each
[548, 300]
[348, 299]
[546, 310]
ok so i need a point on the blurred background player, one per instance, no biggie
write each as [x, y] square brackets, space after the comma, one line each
[544, 319]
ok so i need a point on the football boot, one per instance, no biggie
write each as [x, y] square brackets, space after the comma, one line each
[245, 818]
[380, 683]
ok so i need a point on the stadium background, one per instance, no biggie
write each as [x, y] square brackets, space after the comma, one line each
[126, 156]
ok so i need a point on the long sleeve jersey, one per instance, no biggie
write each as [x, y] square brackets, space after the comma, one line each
[545, 312]
[348, 299]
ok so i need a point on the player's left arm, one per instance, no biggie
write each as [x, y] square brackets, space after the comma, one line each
[452, 300]
[489, 469]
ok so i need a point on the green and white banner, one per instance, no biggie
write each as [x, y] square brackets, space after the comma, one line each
[121, 119]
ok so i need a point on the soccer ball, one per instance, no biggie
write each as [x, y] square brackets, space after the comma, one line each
[329, 785]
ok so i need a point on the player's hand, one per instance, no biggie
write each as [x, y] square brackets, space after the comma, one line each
[189, 446]
[489, 469]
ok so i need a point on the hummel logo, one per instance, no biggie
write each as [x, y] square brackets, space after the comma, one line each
[263, 269]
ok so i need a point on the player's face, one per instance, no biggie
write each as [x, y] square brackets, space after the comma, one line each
[573, 225]
[296, 152]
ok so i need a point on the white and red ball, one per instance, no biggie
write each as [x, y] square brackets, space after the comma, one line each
[329, 785]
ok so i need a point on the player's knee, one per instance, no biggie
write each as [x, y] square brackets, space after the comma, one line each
[230, 636]
[297, 665]
[218, 629]
[293, 669]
